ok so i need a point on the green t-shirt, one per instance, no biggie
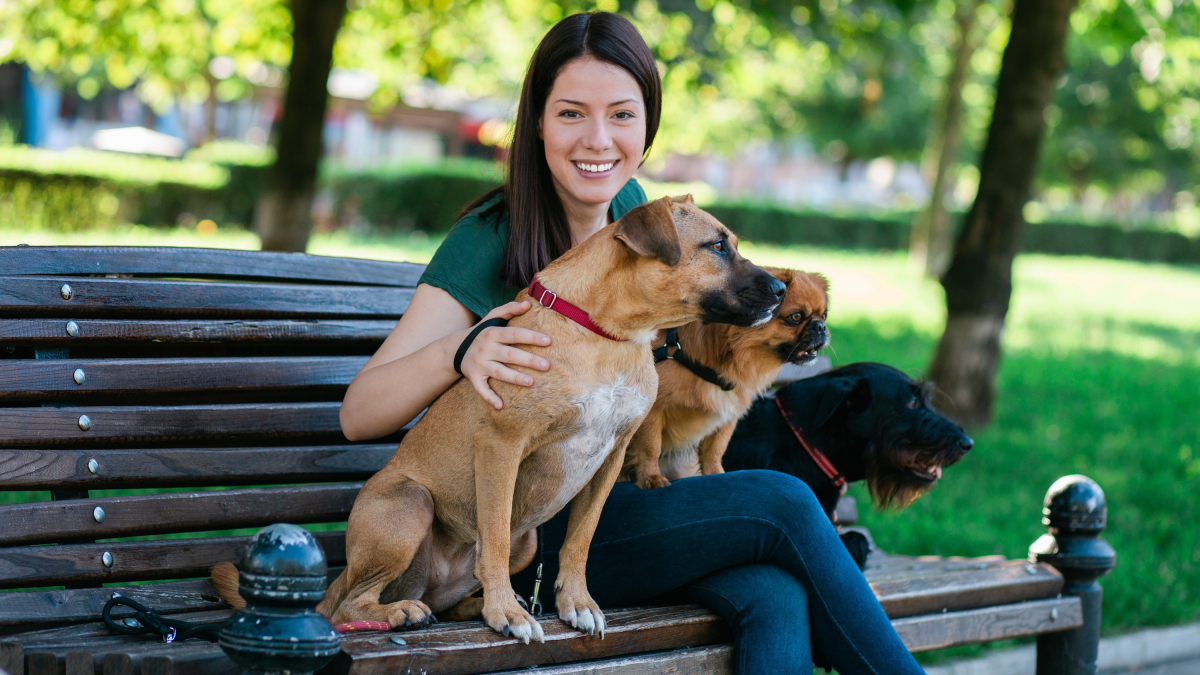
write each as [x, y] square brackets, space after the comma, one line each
[467, 264]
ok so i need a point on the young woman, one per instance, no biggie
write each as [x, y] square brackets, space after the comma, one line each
[754, 546]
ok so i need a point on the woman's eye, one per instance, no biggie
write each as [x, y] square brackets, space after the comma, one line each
[624, 115]
[569, 113]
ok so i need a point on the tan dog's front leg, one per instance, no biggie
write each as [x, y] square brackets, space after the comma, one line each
[575, 605]
[497, 460]
[712, 448]
[643, 454]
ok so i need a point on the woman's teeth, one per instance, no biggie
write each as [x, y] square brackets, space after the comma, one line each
[595, 168]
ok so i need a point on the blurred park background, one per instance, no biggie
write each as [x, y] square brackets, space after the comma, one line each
[1029, 241]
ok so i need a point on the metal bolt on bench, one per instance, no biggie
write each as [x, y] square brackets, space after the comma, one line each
[283, 577]
[1074, 513]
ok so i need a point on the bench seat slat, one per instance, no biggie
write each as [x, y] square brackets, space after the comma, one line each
[85, 604]
[54, 331]
[23, 566]
[934, 589]
[48, 427]
[75, 519]
[112, 298]
[55, 378]
[38, 469]
[167, 261]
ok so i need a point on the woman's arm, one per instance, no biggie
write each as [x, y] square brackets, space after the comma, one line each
[415, 364]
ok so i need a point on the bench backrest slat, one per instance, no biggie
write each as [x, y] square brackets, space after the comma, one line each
[42, 296]
[89, 378]
[87, 331]
[42, 469]
[80, 519]
[31, 566]
[201, 262]
[244, 423]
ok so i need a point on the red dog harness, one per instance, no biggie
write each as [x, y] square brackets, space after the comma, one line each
[539, 292]
[819, 457]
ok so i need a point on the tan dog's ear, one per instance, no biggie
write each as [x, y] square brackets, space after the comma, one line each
[686, 199]
[649, 231]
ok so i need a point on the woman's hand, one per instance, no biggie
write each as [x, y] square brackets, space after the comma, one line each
[492, 352]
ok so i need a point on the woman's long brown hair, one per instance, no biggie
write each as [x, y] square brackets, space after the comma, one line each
[537, 225]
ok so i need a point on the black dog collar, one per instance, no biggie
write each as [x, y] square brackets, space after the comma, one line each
[466, 343]
[699, 370]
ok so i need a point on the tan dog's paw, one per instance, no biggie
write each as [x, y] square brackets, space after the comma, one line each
[410, 614]
[506, 616]
[577, 609]
[652, 481]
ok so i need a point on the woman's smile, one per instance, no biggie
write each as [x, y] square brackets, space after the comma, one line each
[595, 169]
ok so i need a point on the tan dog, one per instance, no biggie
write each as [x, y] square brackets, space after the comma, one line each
[693, 419]
[459, 503]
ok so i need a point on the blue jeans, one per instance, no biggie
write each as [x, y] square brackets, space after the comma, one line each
[754, 546]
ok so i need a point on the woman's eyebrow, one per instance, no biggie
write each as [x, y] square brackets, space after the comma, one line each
[584, 105]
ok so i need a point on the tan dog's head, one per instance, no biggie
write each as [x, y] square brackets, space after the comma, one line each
[689, 266]
[798, 330]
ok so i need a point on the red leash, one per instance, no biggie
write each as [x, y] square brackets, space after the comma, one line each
[539, 293]
[819, 457]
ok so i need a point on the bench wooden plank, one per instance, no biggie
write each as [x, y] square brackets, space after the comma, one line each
[38, 469]
[87, 331]
[716, 660]
[85, 604]
[133, 560]
[76, 519]
[113, 298]
[204, 262]
[110, 425]
[938, 631]
[60, 378]
[932, 590]
[456, 649]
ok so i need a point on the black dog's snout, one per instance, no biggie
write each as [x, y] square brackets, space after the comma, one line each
[966, 443]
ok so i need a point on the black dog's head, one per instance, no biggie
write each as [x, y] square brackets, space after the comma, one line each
[875, 422]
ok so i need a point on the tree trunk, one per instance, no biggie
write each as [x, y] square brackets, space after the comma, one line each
[284, 213]
[979, 281]
[929, 248]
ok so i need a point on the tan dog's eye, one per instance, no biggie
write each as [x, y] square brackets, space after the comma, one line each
[719, 247]
[794, 319]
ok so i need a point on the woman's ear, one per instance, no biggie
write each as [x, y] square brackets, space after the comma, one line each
[649, 231]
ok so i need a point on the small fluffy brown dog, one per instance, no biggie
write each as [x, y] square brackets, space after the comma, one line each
[693, 419]
[458, 505]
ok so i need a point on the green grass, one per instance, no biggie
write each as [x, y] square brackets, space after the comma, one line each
[1100, 376]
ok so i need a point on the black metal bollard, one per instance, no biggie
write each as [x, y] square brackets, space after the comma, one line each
[1074, 513]
[282, 579]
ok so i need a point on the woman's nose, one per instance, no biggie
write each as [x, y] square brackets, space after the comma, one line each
[597, 138]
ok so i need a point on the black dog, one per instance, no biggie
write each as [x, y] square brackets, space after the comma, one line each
[868, 421]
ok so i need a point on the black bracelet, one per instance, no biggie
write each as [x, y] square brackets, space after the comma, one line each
[466, 343]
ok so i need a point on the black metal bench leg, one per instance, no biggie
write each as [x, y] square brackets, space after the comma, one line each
[1074, 513]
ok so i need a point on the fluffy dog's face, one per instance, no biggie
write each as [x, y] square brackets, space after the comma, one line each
[704, 277]
[798, 330]
[909, 441]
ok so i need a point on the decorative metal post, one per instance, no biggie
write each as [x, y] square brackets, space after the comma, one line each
[1074, 513]
[283, 577]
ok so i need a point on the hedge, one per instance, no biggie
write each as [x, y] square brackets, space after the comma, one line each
[890, 232]
[406, 197]
[78, 189]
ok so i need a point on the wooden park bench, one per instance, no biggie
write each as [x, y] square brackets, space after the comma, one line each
[152, 400]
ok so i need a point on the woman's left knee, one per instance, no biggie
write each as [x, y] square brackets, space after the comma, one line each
[777, 492]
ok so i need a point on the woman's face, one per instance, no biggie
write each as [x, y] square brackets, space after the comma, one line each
[594, 129]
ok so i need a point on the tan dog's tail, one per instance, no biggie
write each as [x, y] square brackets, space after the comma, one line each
[225, 578]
